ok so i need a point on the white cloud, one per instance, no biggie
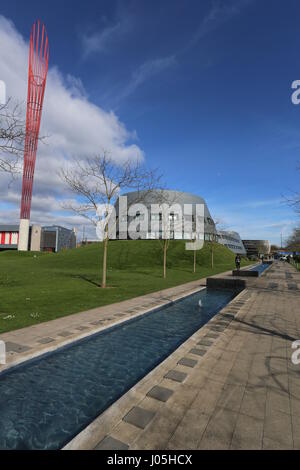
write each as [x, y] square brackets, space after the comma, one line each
[74, 126]
[261, 203]
[100, 40]
[146, 71]
[76, 87]
[219, 14]
[260, 222]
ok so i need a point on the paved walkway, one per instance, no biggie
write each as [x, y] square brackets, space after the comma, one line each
[231, 386]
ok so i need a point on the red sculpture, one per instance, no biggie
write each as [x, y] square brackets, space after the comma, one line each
[37, 74]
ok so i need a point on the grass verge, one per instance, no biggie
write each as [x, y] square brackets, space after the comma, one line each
[37, 287]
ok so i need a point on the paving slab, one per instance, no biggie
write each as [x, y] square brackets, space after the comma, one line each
[198, 352]
[65, 333]
[109, 443]
[15, 347]
[139, 417]
[205, 342]
[248, 433]
[219, 431]
[212, 335]
[185, 361]
[176, 375]
[46, 340]
[160, 393]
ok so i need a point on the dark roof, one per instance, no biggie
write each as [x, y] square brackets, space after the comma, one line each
[52, 228]
[9, 228]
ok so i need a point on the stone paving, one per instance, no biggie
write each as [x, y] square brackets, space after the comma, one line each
[240, 392]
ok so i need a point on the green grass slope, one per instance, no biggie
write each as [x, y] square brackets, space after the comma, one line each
[37, 287]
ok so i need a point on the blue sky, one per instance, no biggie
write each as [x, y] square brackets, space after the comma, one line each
[203, 88]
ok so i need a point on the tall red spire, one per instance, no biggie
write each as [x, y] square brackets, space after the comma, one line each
[37, 74]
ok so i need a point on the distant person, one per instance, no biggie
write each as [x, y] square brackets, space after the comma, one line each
[238, 262]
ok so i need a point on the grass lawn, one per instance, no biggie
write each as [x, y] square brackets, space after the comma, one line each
[37, 287]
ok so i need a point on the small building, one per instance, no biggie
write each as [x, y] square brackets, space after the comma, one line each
[35, 234]
[257, 247]
[232, 240]
[9, 237]
[51, 238]
[55, 238]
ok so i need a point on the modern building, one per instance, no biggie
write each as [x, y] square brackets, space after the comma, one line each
[55, 238]
[52, 238]
[9, 237]
[185, 210]
[233, 241]
[257, 247]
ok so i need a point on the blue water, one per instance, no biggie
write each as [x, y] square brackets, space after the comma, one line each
[47, 401]
[260, 268]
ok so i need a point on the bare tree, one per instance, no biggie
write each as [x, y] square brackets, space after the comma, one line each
[293, 199]
[213, 238]
[97, 181]
[293, 242]
[173, 223]
[211, 242]
[166, 242]
[196, 247]
[194, 261]
[262, 248]
[169, 220]
[274, 248]
[194, 241]
[165, 225]
[12, 135]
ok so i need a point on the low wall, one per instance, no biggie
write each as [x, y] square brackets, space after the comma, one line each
[244, 273]
[225, 283]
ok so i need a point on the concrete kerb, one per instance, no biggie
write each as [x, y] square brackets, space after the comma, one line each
[105, 423]
[42, 351]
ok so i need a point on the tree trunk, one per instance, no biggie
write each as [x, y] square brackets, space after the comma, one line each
[104, 265]
[195, 258]
[165, 259]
